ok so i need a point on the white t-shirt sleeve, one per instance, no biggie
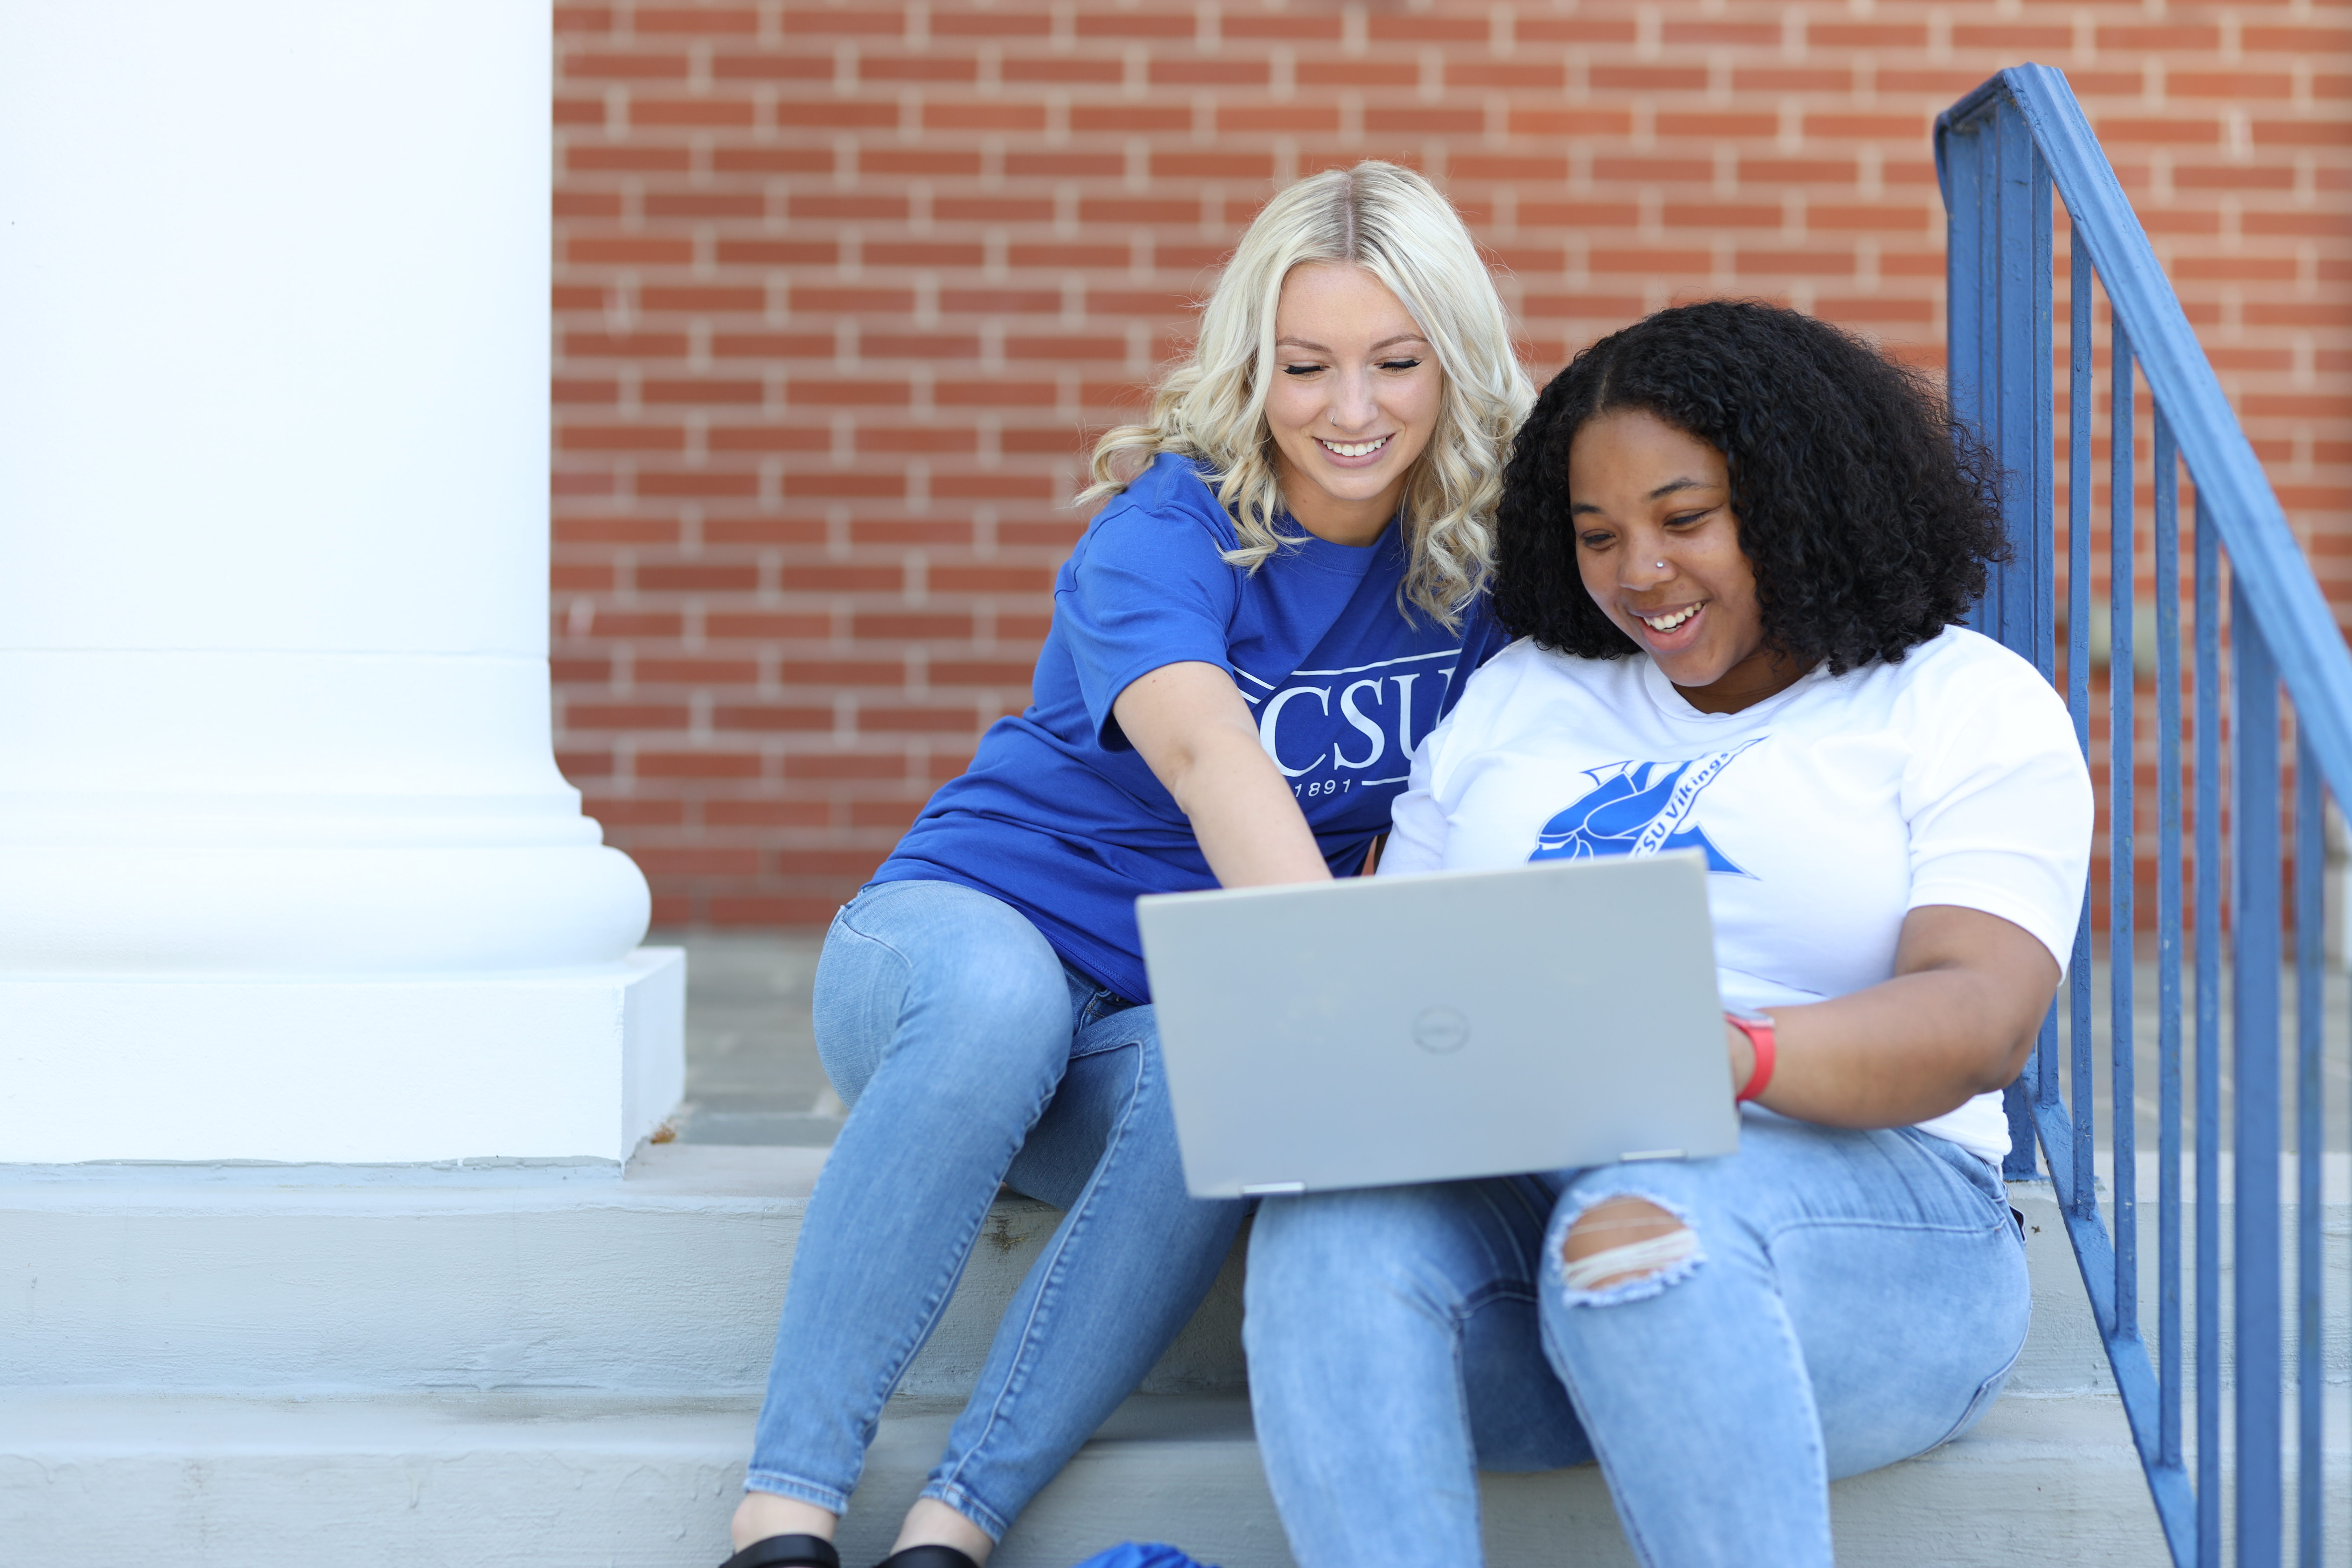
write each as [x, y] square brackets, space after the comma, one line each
[2001, 809]
[1417, 825]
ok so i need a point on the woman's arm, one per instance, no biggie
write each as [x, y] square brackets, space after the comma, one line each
[1188, 723]
[1957, 1019]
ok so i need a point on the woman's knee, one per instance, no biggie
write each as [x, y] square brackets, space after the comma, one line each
[1611, 1241]
[950, 974]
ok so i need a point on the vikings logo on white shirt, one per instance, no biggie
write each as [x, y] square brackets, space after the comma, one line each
[1639, 808]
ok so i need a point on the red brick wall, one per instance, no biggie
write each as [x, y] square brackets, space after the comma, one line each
[840, 288]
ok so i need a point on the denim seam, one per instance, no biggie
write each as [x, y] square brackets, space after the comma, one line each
[962, 1498]
[1096, 1009]
[1016, 1374]
[1462, 1414]
[1643, 1552]
[778, 1483]
[1487, 1295]
[903, 1351]
[1049, 1287]
[939, 1296]
[885, 944]
[1978, 1403]
[1081, 1048]
[1909, 1226]
[841, 918]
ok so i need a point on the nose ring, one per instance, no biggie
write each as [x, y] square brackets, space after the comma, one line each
[1661, 565]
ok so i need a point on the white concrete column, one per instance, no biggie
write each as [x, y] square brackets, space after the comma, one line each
[286, 871]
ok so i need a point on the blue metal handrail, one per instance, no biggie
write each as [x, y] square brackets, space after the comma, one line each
[1999, 151]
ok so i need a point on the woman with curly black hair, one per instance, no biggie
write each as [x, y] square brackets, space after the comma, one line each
[1733, 542]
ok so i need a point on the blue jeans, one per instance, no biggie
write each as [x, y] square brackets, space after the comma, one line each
[1857, 1298]
[970, 1057]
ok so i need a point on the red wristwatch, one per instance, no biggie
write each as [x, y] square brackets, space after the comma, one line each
[1757, 1027]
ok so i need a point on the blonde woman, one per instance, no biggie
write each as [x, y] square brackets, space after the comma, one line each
[1279, 599]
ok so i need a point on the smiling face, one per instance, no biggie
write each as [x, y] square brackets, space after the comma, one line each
[1658, 547]
[1354, 397]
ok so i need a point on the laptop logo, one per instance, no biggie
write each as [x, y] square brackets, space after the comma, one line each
[1638, 808]
[1441, 1030]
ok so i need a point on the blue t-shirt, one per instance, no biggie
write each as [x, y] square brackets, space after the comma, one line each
[1060, 819]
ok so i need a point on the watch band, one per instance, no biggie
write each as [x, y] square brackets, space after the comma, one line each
[1757, 1027]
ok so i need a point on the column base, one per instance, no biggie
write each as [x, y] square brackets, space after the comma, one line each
[579, 1064]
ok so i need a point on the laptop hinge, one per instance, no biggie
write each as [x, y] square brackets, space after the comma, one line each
[1272, 1189]
[1652, 1154]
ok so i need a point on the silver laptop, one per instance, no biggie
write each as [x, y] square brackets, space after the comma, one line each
[1380, 1030]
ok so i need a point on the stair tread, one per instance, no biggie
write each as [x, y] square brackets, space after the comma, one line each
[505, 1478]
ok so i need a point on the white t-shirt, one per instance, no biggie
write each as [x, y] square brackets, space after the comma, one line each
[1826, 813]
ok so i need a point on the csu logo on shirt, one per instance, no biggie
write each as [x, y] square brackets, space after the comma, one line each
[1638, 808]
[1365, 719]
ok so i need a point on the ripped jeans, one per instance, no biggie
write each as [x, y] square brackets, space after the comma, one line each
[1830, 1302]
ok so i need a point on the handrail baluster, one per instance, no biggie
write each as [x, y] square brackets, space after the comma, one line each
[2310, 918]
[2254, 996]
[2122, 847]
[2209, 1039]
[2078, 702]
[2080, 408]
[2167, 545]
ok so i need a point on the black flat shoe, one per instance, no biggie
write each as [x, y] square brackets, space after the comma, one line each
[928, 1557]
[787, 1552]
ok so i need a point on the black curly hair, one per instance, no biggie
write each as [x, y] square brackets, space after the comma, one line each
[1867, 511]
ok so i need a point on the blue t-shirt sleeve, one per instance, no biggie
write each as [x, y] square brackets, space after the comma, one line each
[1147, 587]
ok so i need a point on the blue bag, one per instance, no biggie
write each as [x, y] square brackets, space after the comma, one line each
[1142, 1554]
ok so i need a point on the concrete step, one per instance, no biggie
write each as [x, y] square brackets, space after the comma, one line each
[265, 1278]
[668, 1281]
[503, 1480]
[255, 1366]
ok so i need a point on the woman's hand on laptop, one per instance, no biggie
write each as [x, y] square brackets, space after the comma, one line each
[1190, 725]
[1957, 1019]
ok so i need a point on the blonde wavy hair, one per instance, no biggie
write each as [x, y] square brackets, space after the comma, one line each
[1395, 225]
